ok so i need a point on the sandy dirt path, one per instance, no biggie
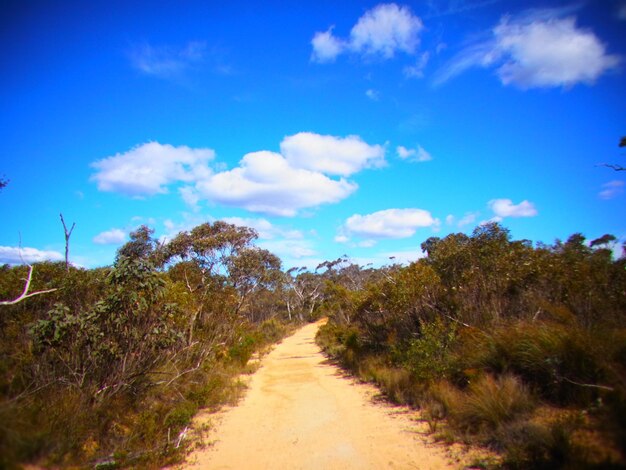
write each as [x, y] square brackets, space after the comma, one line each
[300, 412]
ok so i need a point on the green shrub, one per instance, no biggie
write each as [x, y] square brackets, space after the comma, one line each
[181, 414]
[527, 444]
[272, 331]
[553, 358]
[429, 358]
[490, 402]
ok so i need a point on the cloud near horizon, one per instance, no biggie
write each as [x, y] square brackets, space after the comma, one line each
[389, 223]
[381, 32]
[24, 255]
[115, 236]
[505, 208]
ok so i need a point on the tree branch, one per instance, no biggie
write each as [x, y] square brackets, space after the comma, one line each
[25, 294]
[613, 166]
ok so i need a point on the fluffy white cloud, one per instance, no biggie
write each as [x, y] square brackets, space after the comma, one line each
[26, 255]
[551, 53]
[506, 208]
[331, 155]
[164, 61]
[147, 169]
[385, 29]
[418, 154]
[389, 223]
[611, 189]
[381, 31]
[266, 182]
[115, 236]
[540, 49]
[326, 47]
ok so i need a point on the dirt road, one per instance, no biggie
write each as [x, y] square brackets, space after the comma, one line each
[300, 412]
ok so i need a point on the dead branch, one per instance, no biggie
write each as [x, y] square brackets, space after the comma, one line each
[68, 234]
[601, 387]
[25, 294]
[613, 166]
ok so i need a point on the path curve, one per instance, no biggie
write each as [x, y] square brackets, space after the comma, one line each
[300, 412]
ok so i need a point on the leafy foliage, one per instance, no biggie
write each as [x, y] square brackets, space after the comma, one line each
[490, 332]
[109, 369]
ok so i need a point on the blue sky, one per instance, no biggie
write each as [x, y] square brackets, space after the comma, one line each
[333, 128]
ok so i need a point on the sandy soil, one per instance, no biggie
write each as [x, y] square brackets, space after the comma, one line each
[300, 412]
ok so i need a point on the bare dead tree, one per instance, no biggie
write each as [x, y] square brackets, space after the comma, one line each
[68, 234]
[25, 294]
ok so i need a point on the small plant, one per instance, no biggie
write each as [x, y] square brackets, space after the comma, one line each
[490, 402]
[429, 357]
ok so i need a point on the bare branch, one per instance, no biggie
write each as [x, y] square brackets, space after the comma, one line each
[613, 166]
[68, 234]
[25, 294]
[601, 387]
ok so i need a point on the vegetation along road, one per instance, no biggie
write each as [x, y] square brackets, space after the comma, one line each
[301, 412]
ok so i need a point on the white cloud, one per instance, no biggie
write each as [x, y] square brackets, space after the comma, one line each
[115, 236]
[506, 208]
[467, 219]
[621, 12]
[450, 219]
[417, 70]
[372, 94]
[326, 47]
[389, 223]
[331, 155]
[188, 222]
[164, 61]
[496, 219]
[265, 229]
[537, 50]
[611, 189]
[382, 31]
[26, 255]
[403, 257]
[418, 154]
[147, 169]
[289, 249]
[552, 53]
[265, 182]
[190, 196]
[385, 29]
